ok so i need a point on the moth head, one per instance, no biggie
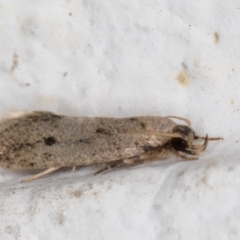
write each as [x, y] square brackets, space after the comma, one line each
[184, 143]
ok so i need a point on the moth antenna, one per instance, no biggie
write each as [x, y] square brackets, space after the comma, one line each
[210, 139]
[183, 119]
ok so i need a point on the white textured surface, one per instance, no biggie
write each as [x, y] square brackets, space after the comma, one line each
[124, 58]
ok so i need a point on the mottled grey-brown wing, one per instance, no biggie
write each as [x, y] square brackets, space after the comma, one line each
[43, 139]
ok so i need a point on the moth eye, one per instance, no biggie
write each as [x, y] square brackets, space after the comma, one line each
[179, 144]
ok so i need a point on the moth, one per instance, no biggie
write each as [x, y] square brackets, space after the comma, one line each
[44, 140]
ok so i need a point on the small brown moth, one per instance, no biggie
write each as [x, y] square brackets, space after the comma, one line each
[41, 140]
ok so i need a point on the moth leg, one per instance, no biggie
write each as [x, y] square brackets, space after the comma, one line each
[73, 168]
[143, 158]
[137, 162]
[118, 163]
[178, 155]
[40, 174]
[110, 166]
[153, 155]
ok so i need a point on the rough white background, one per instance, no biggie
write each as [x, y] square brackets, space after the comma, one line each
[120, 59]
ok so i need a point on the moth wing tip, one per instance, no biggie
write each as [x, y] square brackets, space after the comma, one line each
[15, 114]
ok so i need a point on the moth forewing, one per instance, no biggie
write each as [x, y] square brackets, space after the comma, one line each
[40, 140]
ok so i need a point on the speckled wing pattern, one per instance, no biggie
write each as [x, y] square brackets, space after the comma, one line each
[44, 140]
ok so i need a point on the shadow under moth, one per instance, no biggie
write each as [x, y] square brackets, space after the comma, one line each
[44, 140]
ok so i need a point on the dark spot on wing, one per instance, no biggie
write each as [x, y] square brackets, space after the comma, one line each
[28, 145]
[49, 141]
[147, 148]
[47, 155]
[19, 147]
[85, 140]
[103, 131]
[142, 124]
[133, 119]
